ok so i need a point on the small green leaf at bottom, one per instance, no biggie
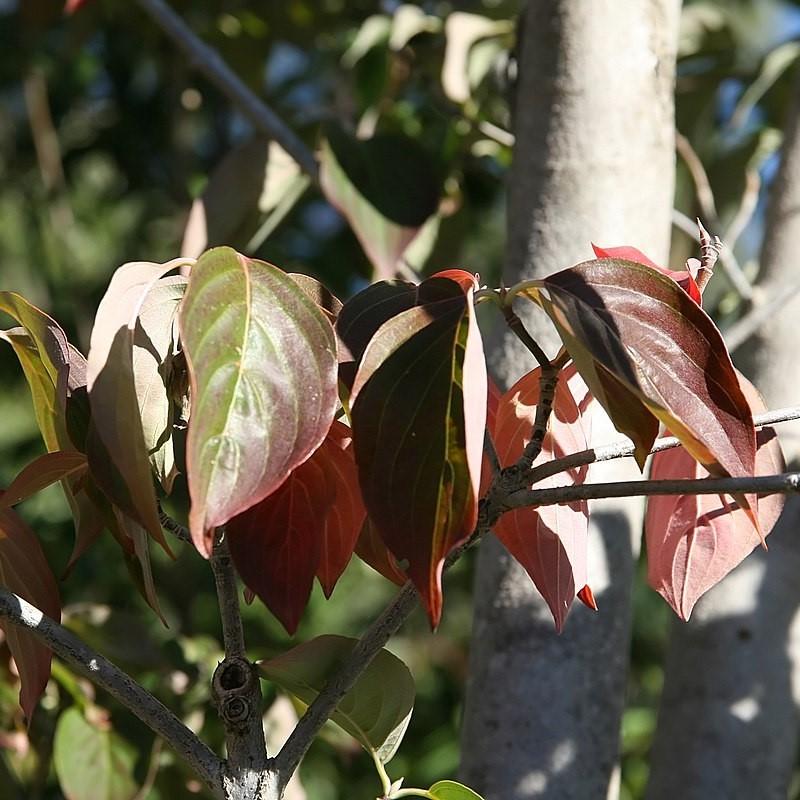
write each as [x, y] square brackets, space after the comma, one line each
[450, 790]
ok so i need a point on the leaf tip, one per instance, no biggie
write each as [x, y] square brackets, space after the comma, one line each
[586, 596]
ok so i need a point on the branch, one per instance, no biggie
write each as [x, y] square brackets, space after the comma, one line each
[786, 483]
[228, 597]
[85, 661]
[208, 61]
[626, 448]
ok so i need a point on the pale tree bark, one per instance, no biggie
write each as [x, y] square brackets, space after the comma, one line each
[594, 161]
[728, 721]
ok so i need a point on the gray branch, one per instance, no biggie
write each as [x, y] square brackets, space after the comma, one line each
[209, 62]
[228, 598]
[84, 660]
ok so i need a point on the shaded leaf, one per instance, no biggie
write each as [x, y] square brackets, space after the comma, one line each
[450, 790]
[306, 528]
[693, 541]
[119, 455]
[386, 187]
[91, 761]
[549, 542]
[419, 414]
[493, 397]
[262, 362]
[376, 711]
[41, 473]
[24, 570]
[372, 550]
[252, 180]
[645, 350]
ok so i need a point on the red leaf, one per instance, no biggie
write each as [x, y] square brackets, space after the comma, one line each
[684, 279]
[308, 527]
[419, 415]
[42, 472]
[694, 541]
[371, 549]
[586, 596]
[493, 398]
[345, 516]
[25, 571]
[550, 542]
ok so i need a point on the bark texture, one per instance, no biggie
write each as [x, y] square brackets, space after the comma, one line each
[594, 161]
[728, 721]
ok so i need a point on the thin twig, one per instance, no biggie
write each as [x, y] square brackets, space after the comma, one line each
[173, 526]
[228, 597]
[548, 381]
[518, 329]
[625, 449]
[209, 62]
[98, 669]
[785, 483]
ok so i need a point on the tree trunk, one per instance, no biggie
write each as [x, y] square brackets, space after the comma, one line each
[593, 161]
[728, 721]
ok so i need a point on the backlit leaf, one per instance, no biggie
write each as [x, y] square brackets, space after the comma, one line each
[376, 711]
[372, 550]
[549, 542]
[450, 790]
[262, 362]
[386, 187]
[119, 454]
[92, 762]
[24, 570]
[646, 350]
[693, 541]
[42, 472]
[419, 415]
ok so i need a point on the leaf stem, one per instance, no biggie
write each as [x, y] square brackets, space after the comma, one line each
[386, 781]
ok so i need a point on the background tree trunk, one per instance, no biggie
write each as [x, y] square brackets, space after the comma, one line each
[594, 161]
[728, 721]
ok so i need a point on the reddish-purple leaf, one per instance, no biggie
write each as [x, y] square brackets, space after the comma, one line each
[40, 473]
[550, 542]
[118, 452]
[372, 550]
[684, 279]
[343, 519]
[25, 571]
[493, 398]
[693, 541]
[262, 361]
[277, 544]
[645, 350]
[419, 415]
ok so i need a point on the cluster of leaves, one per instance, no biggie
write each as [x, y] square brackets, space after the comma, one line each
[260, 363]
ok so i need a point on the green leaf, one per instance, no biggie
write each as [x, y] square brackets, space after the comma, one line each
[450, 790]
[645, 349]
[419, 415]
[24, 570]
[91, 761]
[119, 455]
[262, 363]
[254, 185]
[386, 187]
[376, 711]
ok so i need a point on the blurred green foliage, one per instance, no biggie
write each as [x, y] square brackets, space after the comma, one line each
[106, 136]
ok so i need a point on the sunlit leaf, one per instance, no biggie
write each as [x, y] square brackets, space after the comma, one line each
[119, 454]
[92, 762]
[25, 571]
[372, 550]
[693, 541]
[450, 790]
[419, 414]
[386, 187]
[550, 542]
[376, 711]
[262, 362]
[647, 351]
